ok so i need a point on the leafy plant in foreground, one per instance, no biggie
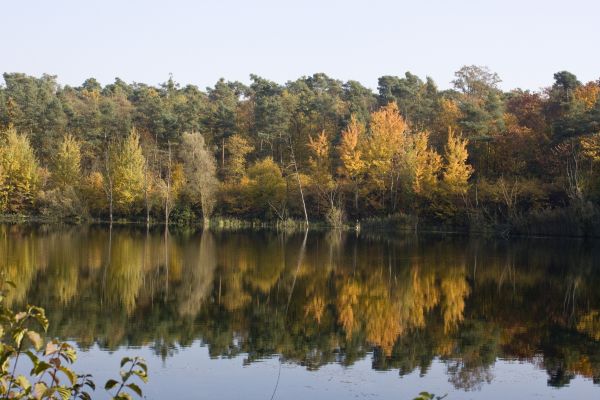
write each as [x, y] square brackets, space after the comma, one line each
[51, 375]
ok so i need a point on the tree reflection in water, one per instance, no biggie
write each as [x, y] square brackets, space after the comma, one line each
[407, 300]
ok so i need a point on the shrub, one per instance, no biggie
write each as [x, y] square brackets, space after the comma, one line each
[51, 375]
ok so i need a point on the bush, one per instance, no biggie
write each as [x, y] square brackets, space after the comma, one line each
[51, 375]
[335, 217]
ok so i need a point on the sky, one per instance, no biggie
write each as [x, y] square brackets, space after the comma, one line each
[524, 41]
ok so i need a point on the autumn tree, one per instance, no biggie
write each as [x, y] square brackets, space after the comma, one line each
[383, 153]
[475, 80]
[322, 177]
[265, 189]
[200, 170]
[20, 173]
[456, 170]
[62, 198]
[67, 163]
[237, 148]
[427, 165]
[352, 167]
[127, 164]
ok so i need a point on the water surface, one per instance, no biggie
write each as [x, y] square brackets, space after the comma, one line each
[221, 315]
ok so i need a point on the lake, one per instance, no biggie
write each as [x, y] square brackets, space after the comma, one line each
[323, 315]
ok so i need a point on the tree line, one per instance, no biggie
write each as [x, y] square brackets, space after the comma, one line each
[311, 149]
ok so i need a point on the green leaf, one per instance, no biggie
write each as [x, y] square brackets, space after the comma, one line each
[111, 383]
[36, 339]
[142, 365]
[18, 336]
[85, 396]
[125, 360]
[143, 376]
[135, 388]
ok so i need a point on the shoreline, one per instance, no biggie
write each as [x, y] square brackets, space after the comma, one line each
[387, 225]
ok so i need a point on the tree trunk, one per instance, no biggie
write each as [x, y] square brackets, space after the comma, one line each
[299, 183]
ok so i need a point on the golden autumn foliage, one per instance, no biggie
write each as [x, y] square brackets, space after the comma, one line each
[347, 305]
[127, 173]
[427, 165]
[350, 151]
[456, 171]
[588, 94]
[385, 142]
[264, 187]
[237, 148]
[19, 172]
[93, 188]
[590, 146]
[450, 114]
[67, 163]
[590, 324]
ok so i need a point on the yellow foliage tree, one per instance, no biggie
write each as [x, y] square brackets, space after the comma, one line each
[237, 147]
[385, 152]
[93, 189]
[67, 163]
[457, 171]
[353, 165]
[265, 187]
[321, 176]
[19, 172]
[128, 164]
[427, 165]
[587, 94]
[449, 114]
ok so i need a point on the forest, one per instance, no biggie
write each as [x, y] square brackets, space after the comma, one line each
[473, 157]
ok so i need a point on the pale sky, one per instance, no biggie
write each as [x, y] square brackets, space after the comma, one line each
[525, 42]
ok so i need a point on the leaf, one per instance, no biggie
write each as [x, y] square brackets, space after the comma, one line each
[69, 373]
[36, 339]
[142, 365]
[85, 396]
[51, 348]
[135, 388]
[65, 393]
[40, 315]
[18, 336]
[34, 358]
[142, 375]
[125, 360]
[111, 383]
[21, 315]
[39, 389]
[23, 382]
[68, 352]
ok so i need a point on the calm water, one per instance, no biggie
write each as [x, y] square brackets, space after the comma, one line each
[324, 316]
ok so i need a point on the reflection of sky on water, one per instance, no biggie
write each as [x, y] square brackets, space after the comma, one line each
[191, 374]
